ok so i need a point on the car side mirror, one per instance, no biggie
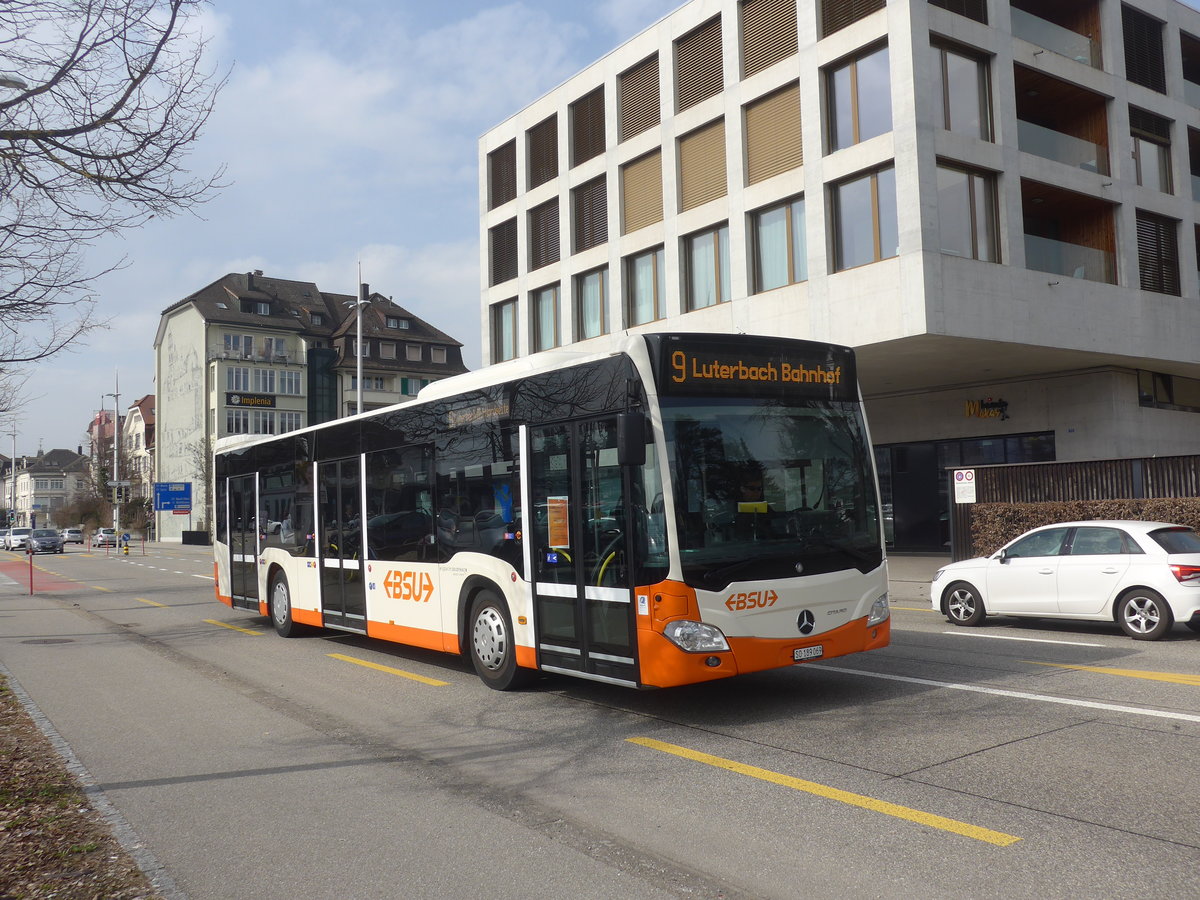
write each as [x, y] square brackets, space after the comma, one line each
[1002, 555]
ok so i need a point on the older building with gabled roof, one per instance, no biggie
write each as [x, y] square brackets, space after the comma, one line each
[253, 354]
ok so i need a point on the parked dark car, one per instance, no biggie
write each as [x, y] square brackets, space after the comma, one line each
[45, 540]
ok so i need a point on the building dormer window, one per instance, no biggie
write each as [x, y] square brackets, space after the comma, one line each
[437, 354]
[316, 318]
[397, 322]
[412, 352]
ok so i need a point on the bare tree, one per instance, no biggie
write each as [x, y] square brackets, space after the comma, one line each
[99, 102]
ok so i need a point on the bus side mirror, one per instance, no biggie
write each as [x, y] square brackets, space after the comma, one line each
[631, 439]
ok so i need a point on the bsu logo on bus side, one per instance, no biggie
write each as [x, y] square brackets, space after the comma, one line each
[402, 585]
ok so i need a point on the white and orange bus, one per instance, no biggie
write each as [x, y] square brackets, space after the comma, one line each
[658, 510]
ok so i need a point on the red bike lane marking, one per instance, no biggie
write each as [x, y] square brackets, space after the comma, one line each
[42, 580]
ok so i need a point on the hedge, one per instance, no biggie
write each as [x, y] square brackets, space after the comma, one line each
[995, 524]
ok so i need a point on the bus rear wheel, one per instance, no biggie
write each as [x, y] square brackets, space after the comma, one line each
[493, 651]
[281, 607]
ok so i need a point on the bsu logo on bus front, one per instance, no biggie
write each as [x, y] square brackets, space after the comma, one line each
[415, 586]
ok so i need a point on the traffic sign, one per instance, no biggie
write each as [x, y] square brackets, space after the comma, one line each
[173, 495]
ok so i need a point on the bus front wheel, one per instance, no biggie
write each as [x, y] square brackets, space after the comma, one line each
[281, 607]
[493, 651]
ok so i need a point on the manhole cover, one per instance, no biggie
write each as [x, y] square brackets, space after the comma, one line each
[50, 641]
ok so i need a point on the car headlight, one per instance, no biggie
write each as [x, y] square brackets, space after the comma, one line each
[695, 637]
[937, 576]
[880, 612]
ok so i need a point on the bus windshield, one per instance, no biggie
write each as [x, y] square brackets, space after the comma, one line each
[770, 488]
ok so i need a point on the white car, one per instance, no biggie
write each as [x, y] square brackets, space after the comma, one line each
[1145, 576]
[104, 537]
[72, 535]
[17, 538]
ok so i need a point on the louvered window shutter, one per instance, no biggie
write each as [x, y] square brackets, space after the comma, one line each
[502, 174]
[543, 234]
[543, 151]
[702, 165]
[591, 214]
[587, 126]
[768, 33]
[642, 192]
[637, 90]
[773, 142]
[698, 67]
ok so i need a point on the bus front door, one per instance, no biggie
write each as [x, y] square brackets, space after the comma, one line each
[243, 541]
[339, 517]
[583, 599]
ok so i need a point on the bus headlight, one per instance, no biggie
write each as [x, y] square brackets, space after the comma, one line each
[879, 611]
[695, 637]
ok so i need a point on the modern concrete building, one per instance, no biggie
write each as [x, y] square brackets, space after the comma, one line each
[994, 202]
[252, 354]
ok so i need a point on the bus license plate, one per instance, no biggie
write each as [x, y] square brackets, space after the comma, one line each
[803, 653]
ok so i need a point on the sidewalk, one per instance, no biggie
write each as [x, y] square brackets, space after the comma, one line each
[909, 576]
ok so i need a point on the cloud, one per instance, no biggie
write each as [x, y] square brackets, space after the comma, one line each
[627, 18]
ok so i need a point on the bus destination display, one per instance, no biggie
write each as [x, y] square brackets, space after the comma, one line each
[757, 371]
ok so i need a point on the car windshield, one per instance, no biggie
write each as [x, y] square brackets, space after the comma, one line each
[45, 532]
[20, 531]
[1177, 540]
[769, 489]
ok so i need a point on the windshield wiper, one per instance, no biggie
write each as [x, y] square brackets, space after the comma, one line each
[719, 574]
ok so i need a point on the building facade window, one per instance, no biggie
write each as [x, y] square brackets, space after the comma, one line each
[262, 421]
[502, 174]
[1158, 253]
[780, 246]
[1151, 136]
[860, 99]
[768, 33]
[316, 318]
[698, 65]
[412, 352]
[239, 345]
[965, 89]
[591, 294]
[837, 14]
[289, 383]
[1162, 391]
[639, 99]
[587, 126]
[237, 378]
[437, 355]
[545, 304]
[590, 202]
[502, 251]
[865, 224]
[773, 135]
[237, 421]
[702, 175]
[641, 192]
[264, 381]
[645, 281]
[290, 421]
[542, 147]
[967, 214]
[396, 322]
[504, 330]
[706, 257]
[543, 234]
[387, 350]
[972, 9]
[1144, 62]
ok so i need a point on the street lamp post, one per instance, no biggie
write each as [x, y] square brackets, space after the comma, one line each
[116, 456]
[12, 481]
[358, 345]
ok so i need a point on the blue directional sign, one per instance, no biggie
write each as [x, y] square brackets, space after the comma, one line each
[173, 495]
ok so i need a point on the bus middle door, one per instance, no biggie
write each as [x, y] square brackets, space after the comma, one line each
[581, 546]
[339, 524]
[243, 541]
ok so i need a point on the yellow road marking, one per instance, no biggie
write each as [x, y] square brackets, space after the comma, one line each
[232, 627]
[1193, 680]
[999, 838]
[918, 609]
[370, 665]
[98, 588]
[151, 602]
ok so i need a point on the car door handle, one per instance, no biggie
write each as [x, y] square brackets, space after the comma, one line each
[1110, 571]
[1045, 571]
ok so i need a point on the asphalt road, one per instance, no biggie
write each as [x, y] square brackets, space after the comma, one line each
[1018, 759]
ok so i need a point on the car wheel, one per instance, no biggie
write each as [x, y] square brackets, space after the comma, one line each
[964, 605]
[281, 607]
[1144, 615]
[493, 652]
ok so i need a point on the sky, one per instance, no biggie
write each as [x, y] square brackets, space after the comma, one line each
[349, 132]
[349, 135]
